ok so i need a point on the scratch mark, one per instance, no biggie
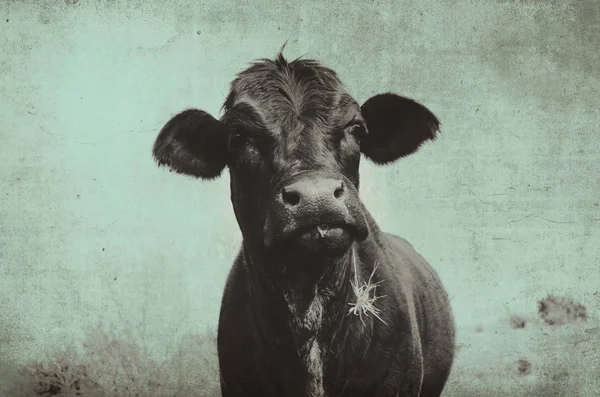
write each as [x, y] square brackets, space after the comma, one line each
[478, 198]
[540, 217]
[507, 239]
[145, 130]
[582, 340]
[440, 197]
[85, 143]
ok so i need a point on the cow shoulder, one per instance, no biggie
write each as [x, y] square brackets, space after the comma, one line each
[417, 264]
[431, 300]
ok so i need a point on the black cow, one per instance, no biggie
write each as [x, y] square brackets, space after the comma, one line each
[290, 324]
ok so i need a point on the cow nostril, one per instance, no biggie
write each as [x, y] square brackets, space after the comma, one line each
[291, 198]
[339, 191]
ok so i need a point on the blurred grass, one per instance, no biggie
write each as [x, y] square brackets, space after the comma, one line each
[107, 365]
[500, 359]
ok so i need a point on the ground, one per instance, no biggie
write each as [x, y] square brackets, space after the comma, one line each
[552, 352]
[538, 359]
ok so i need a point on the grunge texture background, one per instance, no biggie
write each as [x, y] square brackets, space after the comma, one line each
[111, 269]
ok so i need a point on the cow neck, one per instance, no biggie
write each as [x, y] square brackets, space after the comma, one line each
[286, 294]
[267, 305]
[311, 320]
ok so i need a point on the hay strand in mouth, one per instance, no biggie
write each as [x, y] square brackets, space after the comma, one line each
[365, 295]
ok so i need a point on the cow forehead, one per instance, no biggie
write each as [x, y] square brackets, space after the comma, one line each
[292, 97]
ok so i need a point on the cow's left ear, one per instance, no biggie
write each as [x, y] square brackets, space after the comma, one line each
[397, 127]
[192, 143]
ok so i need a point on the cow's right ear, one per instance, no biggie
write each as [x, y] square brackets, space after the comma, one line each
[192, 143]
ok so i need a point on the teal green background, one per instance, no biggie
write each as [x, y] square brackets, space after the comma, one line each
[505, 204]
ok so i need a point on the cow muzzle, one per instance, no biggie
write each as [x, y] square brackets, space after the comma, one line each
[315, 212]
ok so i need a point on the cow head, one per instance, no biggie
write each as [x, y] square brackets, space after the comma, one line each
[292, 138]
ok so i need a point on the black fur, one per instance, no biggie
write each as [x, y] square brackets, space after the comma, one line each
[397, 127]
[193, 143]
[284, 327]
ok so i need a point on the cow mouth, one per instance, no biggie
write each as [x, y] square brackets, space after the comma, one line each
[322, 237]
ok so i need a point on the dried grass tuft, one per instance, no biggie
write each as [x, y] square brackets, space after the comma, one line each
[365, 293]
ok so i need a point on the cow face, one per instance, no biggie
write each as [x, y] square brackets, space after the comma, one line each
[292, 138]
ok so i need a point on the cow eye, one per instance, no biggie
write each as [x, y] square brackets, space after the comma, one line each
[243, 148]
[356, 129]
[236, 140]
